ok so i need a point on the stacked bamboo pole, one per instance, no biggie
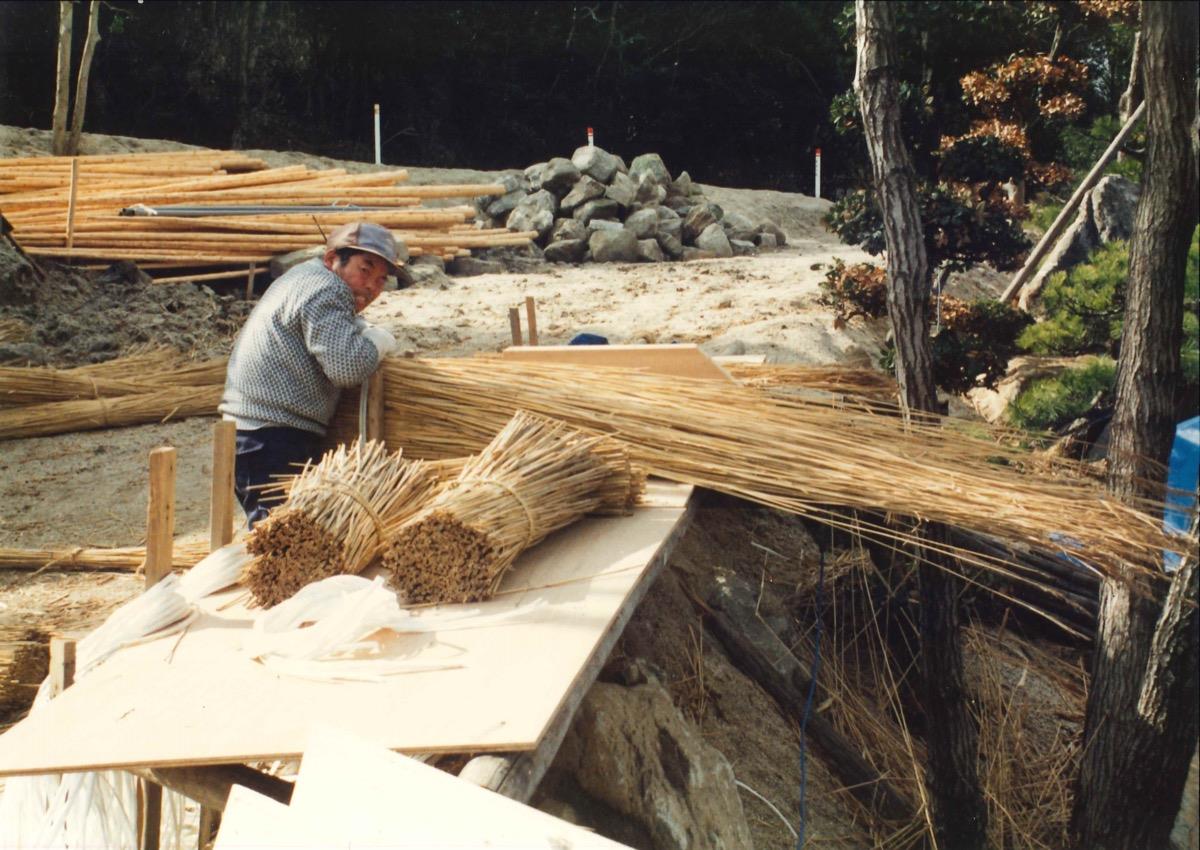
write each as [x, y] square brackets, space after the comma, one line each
[252, 213]
[537, 476]
[785, 453]
[334, 519]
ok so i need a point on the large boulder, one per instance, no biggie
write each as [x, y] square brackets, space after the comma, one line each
[742, 248]
[689, 253]
[670, 244]
[774, 230]
[651, 165]
[603, 224]
[595, 162]
[588, 188]
[566, 251]
[1114, 204]
[559, 176]
[622, 190]
[738, 226]
[643, 223]
[649, 251]
[506, 203]
[599, 208]
[535, 212]
[568, 228]
[1105, 214]
[648, 192]
[697, 219]
[614, 246]
[713, 238]
[682, 185]
[631, 749]
[471, 266]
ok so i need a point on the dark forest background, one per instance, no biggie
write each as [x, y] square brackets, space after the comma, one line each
[736, 93]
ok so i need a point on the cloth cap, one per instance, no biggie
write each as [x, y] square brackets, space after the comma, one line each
[366, 236]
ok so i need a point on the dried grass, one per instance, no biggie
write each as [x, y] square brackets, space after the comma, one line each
[790, 454]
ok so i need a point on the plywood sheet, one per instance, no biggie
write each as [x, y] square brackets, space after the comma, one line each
[202, 700]
[354, 794]
[684, 361]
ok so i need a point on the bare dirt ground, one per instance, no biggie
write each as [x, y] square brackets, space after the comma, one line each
[89, 489]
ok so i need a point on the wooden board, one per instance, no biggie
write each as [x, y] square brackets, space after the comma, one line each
[685, 360]
[353, 794]
[202, 700]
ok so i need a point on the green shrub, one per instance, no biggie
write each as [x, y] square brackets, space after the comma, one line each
[1049, 403]
[1084, 307]
[974, 159]
[1042, 213]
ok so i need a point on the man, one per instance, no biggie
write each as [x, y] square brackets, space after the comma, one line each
[301, 344]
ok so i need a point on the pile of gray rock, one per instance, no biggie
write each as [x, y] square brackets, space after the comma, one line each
[592, 207]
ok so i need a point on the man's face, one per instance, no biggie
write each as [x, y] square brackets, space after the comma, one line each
[364, 273]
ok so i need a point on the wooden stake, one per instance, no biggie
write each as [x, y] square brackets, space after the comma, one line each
[220, 515]
[250, 281]
[160, 515]
[531, 319]
[71, 203]
[62, 662]
[514, 323]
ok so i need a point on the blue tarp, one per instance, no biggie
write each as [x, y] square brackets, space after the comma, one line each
[1183, 473]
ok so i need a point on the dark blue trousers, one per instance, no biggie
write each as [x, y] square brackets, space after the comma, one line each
[263, 456]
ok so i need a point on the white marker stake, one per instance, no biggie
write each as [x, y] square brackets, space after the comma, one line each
[378, 158]
[817, 181]
[591, 138]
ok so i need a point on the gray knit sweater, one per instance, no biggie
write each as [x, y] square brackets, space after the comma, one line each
[297, 348]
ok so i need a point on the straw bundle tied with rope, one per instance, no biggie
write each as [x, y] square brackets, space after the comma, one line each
[334, 518]
[537, 476]
[785, 453]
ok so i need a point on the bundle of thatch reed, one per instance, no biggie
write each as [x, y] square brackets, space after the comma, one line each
[20, 385]
[84, 558]
[216, 208]
[535, 477]
[785, 453]
[60, 417]
[154, 386]
[333, 519]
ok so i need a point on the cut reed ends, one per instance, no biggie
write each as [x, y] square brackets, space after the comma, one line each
[332, 521]
[537, 476]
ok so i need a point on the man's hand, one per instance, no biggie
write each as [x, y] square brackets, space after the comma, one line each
[383, 341]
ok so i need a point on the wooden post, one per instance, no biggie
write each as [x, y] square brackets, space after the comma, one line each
[220, 515]
[71, 202]
[250, 281]
[149, 815]
[1060, 224]
[531, 319]
[375, 406]
[160, 534]
[210, 821]
[62, 663]
[514, 323]
[160, 515]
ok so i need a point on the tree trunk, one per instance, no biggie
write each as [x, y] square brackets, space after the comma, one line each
[1122, 802]
[959, 813]
[85, 70]
[62, 89]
